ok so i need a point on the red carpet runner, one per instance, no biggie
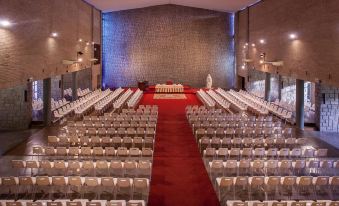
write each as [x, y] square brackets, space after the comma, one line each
[179, 177]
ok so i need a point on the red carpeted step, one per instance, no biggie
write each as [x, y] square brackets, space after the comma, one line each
[179, 176]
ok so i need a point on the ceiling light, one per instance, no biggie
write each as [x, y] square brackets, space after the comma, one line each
[261, 61]
[262, 41]
[243, 66]
[292, 36]
[80, 40]
[80, 59]
[253, 45]
[54, 34]
[93, 42]
[245, 47]
[5, 23]
[87, 43]
[246, 44]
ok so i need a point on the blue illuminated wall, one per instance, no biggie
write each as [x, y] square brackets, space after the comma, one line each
[168, 42]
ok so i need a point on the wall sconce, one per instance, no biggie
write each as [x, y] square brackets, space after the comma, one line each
[273, 63]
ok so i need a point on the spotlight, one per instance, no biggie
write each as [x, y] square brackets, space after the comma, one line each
[80, 59]
[262, 41]
[292, 36]
[245, 47]
[80, 40]
[253, 45]
[261, 61]
[246, 44]
[5, 23]
[93, 42]
[54, 34]
[87, 43]
[243, 66]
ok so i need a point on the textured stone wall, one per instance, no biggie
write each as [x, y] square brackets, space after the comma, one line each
[15, 112]
[256, 82]
[274, 93]
[168, 42]
[83, 78]
[56, 87]
[327, 108]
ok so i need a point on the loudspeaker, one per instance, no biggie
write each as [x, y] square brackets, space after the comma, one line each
[26, 96]
[97, 53]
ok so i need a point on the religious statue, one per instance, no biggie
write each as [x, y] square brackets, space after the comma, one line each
[209, 82]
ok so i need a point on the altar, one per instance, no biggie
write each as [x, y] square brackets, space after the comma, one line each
[172, 88]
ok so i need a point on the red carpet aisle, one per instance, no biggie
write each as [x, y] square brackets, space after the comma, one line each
[179, 177]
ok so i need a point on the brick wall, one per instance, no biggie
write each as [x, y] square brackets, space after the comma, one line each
[165, 42]
[27, 48]
[314, 22]
[327, 108]
[15, 112]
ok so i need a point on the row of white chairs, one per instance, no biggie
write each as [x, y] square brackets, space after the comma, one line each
[240, 132]
[217, 142]
[96, 168]
[135, 99]
[227, 117]
[80, 92]
[273, 167]
[95, 151]
[57, 104]
[205, 99]
[75, 202]
[128, 142]
[120, 131]
[122, 117]
[236, 104]
[62, 184]
[271, 107]
[222, 153]
[271, 184]
[220, 101]
[88, 106]
[120, 102]
[151, 122]
[196, 109]
[69, 108]
[251, 106]
[282, 203]
[106, 103]
[83, 92]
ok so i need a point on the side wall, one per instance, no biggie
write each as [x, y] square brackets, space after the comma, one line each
[28, 51]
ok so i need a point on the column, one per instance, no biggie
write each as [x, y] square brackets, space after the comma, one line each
[62, 86]
[299, 104]
[280, 86]
[267, 86]
[74, 85]
[47, 101]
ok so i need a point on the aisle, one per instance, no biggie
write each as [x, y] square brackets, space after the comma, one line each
[179, 177]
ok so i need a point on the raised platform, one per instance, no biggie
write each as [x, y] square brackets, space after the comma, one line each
[187, 90]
